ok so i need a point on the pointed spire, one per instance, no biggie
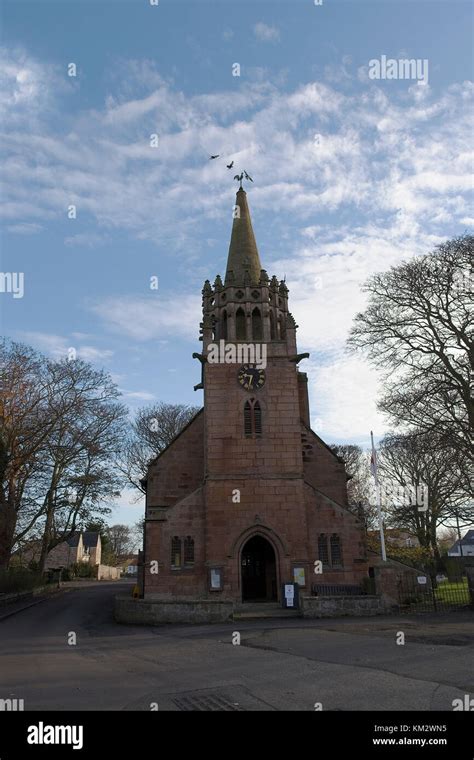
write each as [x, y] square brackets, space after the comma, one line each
[243, 262]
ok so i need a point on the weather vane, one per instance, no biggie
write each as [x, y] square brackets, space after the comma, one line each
[239, 177]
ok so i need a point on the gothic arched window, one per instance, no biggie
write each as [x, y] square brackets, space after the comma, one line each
[189, 551]
[252, 419]
[336, 552]
[240, 326]
[257, 331]
[272, 327]
[224, 325]
[323, 549]
[175, 551]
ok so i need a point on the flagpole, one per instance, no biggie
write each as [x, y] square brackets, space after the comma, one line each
[377, 492]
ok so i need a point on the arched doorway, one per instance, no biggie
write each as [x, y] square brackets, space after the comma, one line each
[258, 568]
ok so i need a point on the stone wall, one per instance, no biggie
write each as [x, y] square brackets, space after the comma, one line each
[154, 612]
[326, 516]
[185, 519]
[107, 573]
[322, 469]
[340, 606]
[62, 555]
[179, 470]
[388, 577]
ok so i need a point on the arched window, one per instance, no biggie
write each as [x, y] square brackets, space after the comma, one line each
[175, 551]
[240, 326]
[323, 549]
[189, 551]
[272, 327]
[257, 419]
[224, 325]
[336, 552]
[247, 420]
[257, 332]
[252, 419]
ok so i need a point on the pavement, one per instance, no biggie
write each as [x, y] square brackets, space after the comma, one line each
[282, 664]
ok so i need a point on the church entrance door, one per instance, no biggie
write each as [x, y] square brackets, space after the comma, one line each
[258, 565]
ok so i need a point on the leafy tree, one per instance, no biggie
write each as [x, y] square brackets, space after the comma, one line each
[98, 525]
[415, 556]
[121, 539]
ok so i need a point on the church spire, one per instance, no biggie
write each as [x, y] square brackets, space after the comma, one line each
[243, 262]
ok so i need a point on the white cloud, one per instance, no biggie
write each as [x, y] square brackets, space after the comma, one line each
[58, 346]
[147, 318]
[343, 393]
[137, 395]
[266, 33]
[26, 228]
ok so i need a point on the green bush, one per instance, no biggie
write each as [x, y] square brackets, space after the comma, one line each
[83, 570]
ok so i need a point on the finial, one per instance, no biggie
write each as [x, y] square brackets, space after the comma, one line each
[207, 290]
[239, 178]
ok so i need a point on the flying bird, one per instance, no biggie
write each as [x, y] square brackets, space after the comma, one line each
[211, 157]
[229, 166]
[239, 177]
[247, 176]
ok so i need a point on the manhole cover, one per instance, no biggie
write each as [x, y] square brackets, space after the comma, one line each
[205, 703]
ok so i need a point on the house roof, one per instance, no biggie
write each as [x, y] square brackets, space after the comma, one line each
[89, 538]
[467, 540]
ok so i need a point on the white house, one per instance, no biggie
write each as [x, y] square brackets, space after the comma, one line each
[467, 546]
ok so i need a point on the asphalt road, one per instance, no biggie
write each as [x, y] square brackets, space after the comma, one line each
[346, 664]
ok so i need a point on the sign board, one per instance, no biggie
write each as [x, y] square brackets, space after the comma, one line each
[290, 595]
[216, 578]
[421, 579]
[299, 576]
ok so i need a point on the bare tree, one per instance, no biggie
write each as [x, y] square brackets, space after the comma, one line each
[418, 330]
[447, 537]
[154, 428]
[60, 424]
[81, 477]
[25, 424]
[421, 464]
[359, 484]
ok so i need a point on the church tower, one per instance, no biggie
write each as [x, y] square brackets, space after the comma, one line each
[248, 497]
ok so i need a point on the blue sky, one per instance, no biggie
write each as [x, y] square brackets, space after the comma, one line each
[352, 175]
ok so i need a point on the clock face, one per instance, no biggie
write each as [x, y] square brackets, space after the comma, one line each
[251, 378]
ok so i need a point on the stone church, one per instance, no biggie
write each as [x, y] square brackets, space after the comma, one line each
[247, 497]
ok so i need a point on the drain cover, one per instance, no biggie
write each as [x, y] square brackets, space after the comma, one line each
[205, 703]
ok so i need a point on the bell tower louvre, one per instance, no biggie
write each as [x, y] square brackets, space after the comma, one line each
[247, 497]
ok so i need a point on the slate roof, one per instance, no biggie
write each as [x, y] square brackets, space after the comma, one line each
[468, 540]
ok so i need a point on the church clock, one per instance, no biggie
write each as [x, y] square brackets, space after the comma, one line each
[251, 378]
